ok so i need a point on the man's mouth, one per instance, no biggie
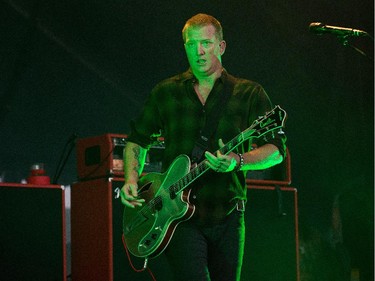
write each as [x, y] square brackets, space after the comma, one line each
[201, 61]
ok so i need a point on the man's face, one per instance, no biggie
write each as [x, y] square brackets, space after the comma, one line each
[203, 50]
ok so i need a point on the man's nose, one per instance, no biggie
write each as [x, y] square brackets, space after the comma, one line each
[200, 49]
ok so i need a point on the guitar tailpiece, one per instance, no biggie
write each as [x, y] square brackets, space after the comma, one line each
[172, 195]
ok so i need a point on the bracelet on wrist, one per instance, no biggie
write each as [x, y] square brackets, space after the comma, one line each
[240, 164]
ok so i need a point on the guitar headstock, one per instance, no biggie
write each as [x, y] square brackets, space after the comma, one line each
[271, 121]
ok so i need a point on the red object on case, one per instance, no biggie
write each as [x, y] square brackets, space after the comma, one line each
[39, 180]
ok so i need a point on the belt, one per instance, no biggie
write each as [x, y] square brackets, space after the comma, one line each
[240, 206]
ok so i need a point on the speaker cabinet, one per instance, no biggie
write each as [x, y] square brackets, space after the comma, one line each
[271, 249]
[32, 236]
[96, 234]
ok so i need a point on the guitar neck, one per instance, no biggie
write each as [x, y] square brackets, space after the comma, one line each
[232, 144]
[202, 167]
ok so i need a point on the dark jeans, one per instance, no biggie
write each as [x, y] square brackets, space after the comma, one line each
[201, 252]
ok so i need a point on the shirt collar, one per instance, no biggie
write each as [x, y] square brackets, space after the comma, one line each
[188, 75]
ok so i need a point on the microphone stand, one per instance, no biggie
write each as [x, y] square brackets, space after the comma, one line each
[345, 42]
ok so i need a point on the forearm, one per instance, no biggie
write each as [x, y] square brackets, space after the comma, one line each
[134, 159]
[261, 158]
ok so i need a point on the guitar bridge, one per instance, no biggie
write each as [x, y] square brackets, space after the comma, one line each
[158, 205]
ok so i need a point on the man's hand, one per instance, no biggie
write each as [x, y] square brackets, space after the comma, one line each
[129, 196]
[221, 163]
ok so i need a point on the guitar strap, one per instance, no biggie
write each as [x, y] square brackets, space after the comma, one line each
[212, 122]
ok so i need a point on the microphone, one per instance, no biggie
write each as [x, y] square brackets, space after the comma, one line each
[320, 28]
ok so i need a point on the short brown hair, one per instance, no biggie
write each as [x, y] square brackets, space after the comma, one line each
[203, 20]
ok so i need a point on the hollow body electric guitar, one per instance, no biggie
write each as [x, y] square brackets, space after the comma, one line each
[148, 229]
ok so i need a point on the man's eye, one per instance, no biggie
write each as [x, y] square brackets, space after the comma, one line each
[206, 44]
[190, 44]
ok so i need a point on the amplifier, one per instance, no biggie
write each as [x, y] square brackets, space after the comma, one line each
[102, 156]
[272, 234]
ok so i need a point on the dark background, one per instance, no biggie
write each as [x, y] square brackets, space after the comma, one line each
[85, 68]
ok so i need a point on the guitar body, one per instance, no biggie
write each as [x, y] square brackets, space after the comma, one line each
[149, 228]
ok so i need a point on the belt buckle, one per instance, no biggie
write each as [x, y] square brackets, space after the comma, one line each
[240, 206]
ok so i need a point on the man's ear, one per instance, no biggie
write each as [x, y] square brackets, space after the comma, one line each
[222, 45]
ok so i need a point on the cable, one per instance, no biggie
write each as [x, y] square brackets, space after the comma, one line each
[132, 265]
[64, 157]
